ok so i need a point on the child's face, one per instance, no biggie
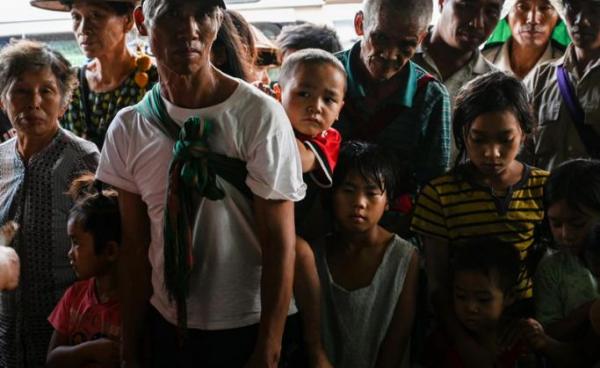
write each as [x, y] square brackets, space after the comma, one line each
[570, 228]
[313, 97]
[84, 260]
[493, 142]
[358, 204]
[478, 302]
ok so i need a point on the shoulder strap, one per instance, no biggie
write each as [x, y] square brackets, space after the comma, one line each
[588, 136]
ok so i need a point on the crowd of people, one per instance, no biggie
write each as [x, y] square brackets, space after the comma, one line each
[429, 197]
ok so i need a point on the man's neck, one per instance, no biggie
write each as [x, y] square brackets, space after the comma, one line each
[191, 91]
[447, 59]
[585, 59]
[524, 58]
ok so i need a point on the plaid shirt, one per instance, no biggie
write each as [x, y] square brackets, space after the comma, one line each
[413, 123]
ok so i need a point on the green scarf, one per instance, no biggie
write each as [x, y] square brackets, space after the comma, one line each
[192, 175]
[502, 33]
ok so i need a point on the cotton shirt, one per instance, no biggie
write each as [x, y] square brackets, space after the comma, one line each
[415, 119]
[561, 284]
[225, 282]
[456, 209]
[556, 138]
[499, 55]
[478, 65]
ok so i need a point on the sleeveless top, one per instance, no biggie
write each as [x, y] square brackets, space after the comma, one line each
[354, 323]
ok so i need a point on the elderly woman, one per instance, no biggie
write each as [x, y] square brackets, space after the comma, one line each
[531, 33]
[114, 77]
[36, 168]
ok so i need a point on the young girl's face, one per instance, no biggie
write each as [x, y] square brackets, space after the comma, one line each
[84, 260]
[570, 227]
[493, 142]
[358, 204]
[478, 302]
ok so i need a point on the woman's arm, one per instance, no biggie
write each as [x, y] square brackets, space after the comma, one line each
[61, 355]
[392, 349]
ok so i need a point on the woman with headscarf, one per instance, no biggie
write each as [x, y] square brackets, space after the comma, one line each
[530, 33]
[36, 169]
[113, 77]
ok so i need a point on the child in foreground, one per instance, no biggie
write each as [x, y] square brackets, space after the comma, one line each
[9, 259]
[368, 275]
[87, 319]
[566, 282]
[484, 279]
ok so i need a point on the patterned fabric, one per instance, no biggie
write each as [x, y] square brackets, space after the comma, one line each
[6, 129]
[33, 194]
[103, 107]
[413, 123]
[454, 208]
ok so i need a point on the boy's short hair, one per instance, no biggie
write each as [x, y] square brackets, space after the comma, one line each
[308, 57]
[371, 161]
[489, 93]
[308, 36]
[498, 260]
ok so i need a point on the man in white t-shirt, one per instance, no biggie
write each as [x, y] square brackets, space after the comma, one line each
[240, 284]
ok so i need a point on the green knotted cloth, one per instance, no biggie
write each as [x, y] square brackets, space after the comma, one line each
[192, 175]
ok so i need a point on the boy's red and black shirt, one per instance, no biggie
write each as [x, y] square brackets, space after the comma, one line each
[326, 147]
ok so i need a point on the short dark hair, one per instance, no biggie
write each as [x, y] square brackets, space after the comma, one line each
[308, 57]
[489, 93]
[418, 11]
[237, 62]
[497, 260]
[96, 210]
[578, 183]
[21, 56]
[371, 161]
[308, 36]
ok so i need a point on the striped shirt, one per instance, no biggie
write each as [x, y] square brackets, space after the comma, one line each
[454, 208]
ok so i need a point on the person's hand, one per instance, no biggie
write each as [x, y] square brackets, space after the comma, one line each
[9, 268]
[105, 352]
[264, 358]
[275, 92]
[320, 360]
[533, 334]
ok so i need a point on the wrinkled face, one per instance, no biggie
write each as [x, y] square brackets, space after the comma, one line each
[84, 260]
[182, 33]
[570, 227]
[313, 97]
[358, 204]
[466, 24]
[478, 302]
[98, 29]
[532, 22]
[34, 103]
[493, 142]
[583, 20]
[387, 43]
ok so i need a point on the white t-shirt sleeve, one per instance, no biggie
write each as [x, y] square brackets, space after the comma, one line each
[113, 168]
[273, 162]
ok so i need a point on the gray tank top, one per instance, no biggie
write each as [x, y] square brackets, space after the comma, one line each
[354, 323]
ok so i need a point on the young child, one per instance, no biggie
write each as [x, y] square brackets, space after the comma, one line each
[566, 282]
[368, 275]
[86, 321]
[313, 84]
[9, 259]
[484, 278]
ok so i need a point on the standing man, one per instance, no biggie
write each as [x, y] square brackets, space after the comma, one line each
[221, 247]
[531, 24]
[566, 92]
[450, 51]
[392, 101]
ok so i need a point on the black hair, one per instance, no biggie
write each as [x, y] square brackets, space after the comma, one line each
[237, 63]
[96, 210]
[578, 183]
[372, 163]
[489, 93]
[245, 34]
[308, 36]
[308, 57]
[497, 260]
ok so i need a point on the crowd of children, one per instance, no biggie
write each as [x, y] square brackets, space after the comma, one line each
[506, 255]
